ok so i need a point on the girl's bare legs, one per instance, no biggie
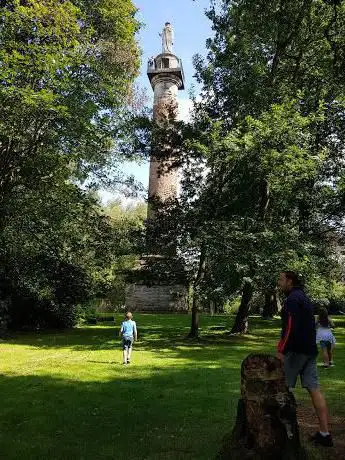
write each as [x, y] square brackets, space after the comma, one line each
[330, 353]
[325, 356]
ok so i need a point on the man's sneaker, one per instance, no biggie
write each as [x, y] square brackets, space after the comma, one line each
[326, 366]
[331, 364]
[128, 361]
[325, 441]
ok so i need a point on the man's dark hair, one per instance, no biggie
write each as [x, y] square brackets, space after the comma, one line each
[296, 278]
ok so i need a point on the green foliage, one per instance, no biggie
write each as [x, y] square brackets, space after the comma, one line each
[128, 222]
[337, 290]
[249, 212]
[231, 306]
[265, 51]
[66, 72]
[263, 186]
[55, 254]
[130, 217]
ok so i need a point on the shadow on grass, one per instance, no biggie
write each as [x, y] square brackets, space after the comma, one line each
[178, 414]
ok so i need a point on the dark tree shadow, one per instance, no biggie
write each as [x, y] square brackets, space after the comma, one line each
[176, 414]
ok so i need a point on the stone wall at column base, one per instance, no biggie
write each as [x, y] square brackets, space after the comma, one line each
[156, 298]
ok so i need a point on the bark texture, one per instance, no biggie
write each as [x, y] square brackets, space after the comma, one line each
[272, 304]
[241, 322]
[266, 427]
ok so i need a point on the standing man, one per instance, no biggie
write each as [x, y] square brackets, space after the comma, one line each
[297, 348]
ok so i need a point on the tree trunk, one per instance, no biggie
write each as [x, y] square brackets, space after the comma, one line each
[4, 317]
[265, 200]
[266, 427]
[212, 307]
[241, 321]
[271, 306]
[194, 329]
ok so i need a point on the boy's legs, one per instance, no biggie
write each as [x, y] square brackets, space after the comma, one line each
[129, 352]
[125, 351]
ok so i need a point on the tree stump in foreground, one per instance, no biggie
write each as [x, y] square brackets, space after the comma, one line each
[266, 427]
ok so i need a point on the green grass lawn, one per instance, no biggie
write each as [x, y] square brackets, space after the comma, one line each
[67, 395]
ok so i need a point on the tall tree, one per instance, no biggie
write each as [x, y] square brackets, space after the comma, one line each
[265, 51]
[66, 79]
[273, 112]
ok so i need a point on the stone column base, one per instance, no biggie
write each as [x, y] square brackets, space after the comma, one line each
[159, 298]
[157, 284]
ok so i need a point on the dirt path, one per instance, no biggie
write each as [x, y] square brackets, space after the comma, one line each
[308, 425]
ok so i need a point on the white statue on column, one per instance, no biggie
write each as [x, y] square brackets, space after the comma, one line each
[167, 38]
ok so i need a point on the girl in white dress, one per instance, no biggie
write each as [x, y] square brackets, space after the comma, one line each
[325, 337]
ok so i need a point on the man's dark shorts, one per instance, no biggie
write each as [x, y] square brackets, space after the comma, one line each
[298, 364]
[127, 343]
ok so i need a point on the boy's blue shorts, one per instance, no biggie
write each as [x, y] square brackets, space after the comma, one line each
[127, 343]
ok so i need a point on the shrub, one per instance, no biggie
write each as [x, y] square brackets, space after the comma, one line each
[232, 305]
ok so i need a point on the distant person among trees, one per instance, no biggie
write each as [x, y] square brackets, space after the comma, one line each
[128, 334]
[298, 350]
[325, 337]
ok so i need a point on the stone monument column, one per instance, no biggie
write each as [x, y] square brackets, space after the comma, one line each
[158, 282]
[166, 76]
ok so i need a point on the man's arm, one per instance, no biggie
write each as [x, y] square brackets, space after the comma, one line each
[292, 309]
[135, 332]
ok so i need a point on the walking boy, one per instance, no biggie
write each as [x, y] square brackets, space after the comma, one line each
[129, 335]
